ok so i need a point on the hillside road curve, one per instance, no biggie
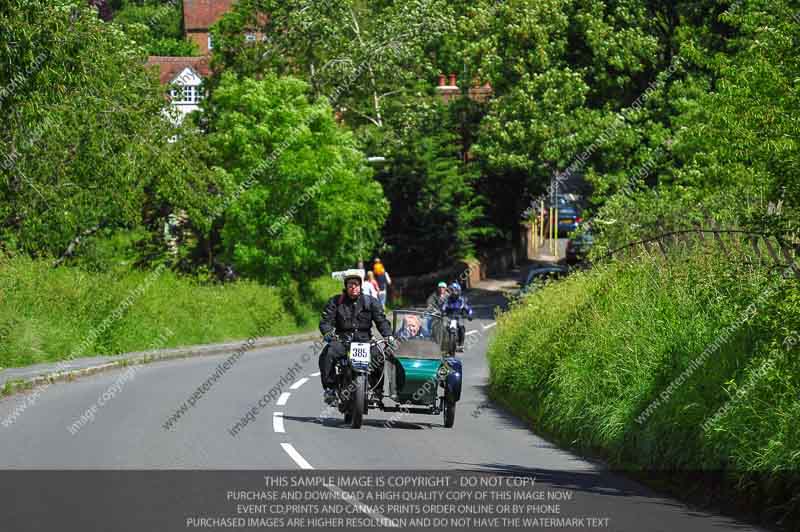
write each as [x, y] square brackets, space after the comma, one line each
[131, 430]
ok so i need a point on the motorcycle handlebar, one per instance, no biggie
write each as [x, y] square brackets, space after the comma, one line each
[346, 338]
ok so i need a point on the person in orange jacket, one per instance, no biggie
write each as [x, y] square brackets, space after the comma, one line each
[384, 281]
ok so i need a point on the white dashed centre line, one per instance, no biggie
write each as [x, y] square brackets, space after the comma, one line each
[277, 422]
[277, 425]
[489, 326]
[298, 383]
[294, 455]
[317, 374]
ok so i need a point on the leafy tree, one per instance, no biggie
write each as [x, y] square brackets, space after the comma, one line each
[729, 151]
[376, 62]
[741, 139]
[626, 93]
[308, 202]
[435, 214]
[84, 131]
[357, 53]
[156, 26]
[560, 71]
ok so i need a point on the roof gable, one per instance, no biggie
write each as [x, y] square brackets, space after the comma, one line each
[187, 76]
[171, 68]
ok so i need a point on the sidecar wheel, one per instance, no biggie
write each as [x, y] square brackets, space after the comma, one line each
[449, 412]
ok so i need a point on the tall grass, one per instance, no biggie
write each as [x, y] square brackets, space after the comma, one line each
[584, 358]
[46, 314]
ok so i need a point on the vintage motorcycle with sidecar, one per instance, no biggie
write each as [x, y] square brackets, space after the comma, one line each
[416, 376]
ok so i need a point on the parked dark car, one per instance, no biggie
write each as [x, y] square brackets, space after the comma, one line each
[568, 220]
[542, 273]
[561, 201]
[578, 247]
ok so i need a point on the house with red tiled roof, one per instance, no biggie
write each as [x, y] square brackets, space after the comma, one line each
[185, 74]
[171, 67]
[199, 16]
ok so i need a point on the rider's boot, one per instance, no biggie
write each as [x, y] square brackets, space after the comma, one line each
[329, 396]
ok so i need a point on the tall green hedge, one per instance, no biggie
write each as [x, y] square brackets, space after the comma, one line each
[689, 364]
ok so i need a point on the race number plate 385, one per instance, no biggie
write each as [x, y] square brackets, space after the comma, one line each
[359, 353]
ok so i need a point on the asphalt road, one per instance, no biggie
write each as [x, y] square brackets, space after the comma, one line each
[296, 432]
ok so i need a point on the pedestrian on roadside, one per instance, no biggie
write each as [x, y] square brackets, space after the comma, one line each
[384, 281]
[370, 286]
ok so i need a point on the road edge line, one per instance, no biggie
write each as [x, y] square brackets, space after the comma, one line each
[15, 386]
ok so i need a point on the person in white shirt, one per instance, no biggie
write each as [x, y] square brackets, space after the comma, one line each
[370, 286]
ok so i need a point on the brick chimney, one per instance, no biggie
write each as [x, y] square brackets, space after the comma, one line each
[448, 92]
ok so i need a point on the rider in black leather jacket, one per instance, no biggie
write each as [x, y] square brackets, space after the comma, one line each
[352, 314]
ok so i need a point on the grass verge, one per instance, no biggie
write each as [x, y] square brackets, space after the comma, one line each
[47, 314]
[687, 366]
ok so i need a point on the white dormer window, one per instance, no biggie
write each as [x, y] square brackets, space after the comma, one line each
[250, 37]
[186, 94]
[186, 88]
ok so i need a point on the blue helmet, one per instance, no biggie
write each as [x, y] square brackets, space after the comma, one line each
[455, 290]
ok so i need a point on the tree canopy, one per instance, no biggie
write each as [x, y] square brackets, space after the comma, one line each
[662, 112]
[84, 131]
[310, 204]
[158, 26]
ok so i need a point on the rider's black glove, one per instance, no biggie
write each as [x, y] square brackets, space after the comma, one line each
[328, 337]
[391, 346]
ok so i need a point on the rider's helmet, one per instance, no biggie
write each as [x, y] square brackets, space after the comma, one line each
[353, 274]
[455, 290]
[442, 284]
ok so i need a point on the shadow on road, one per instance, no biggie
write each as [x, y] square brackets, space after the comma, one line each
[484, 303]
[586, 481]
[338, 423]
[603, 482]
[506, 418]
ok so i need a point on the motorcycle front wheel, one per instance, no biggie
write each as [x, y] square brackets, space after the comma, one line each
[359, 401]
[451, 343]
